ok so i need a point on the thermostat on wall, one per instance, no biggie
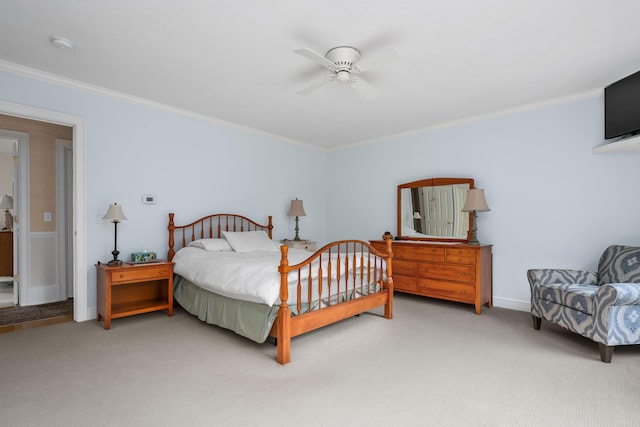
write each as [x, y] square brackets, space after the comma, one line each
[148, 199]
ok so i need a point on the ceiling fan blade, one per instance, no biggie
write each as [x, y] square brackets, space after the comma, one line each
[315, 57]
[315, 86]
[363, 88]
[379, 59]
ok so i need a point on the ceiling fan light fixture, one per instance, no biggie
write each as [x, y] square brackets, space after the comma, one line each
[343, 76]
[61, 42]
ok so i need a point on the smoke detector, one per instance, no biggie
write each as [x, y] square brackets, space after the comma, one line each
[61, 42]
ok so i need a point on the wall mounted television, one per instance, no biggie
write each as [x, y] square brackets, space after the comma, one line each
[622, 107]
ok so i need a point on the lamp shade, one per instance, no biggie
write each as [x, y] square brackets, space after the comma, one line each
[7, 202]
[114, 214]
[416, 215]
[475, 201]
[296, 208]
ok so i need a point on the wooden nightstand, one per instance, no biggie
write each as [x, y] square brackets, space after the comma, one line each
[307, 245]
[130, 289]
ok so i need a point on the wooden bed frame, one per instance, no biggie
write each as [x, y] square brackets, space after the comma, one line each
[287, 326]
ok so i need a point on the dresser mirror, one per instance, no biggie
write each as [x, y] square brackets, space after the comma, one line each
[430, 209]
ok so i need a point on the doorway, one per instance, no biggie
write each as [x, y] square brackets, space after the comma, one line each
[78, 203]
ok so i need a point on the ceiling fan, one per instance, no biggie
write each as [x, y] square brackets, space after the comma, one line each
[344, 62]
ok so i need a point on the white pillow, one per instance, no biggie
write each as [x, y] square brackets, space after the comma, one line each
[250, 241]
[211, 244]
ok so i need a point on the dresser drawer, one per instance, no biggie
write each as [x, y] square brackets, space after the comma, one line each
[448, 290]
[417, 252]
[407, 268]
[404, 283]
[461, 256]
[458, 273]
[140, 273]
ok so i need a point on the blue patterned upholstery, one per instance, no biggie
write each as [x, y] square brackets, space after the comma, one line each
[603, 306]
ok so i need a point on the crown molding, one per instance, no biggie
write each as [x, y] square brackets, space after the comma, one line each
[120, 96]
[482, 117]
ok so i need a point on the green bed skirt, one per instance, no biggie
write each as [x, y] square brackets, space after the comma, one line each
[249, 319]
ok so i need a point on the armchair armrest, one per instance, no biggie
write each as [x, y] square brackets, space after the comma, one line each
[623, 293]
[544, 276]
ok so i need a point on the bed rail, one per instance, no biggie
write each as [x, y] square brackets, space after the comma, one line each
[209, 227]
[345, 277]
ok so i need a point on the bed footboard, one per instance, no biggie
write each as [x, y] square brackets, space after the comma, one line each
[342, 279]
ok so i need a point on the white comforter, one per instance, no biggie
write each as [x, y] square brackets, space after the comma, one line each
[249, 276]
[252, 277]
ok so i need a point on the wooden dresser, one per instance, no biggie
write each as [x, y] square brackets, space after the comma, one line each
[457, 272]
[6, 253]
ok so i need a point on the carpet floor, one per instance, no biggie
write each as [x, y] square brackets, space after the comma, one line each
[18, 314]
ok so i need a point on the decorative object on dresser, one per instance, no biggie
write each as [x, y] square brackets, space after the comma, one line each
[259, 289]
[115, 215]
[296, 210]
[127, 289]
[307, 245]
[455, 272]
[6, 204]
[474, 203]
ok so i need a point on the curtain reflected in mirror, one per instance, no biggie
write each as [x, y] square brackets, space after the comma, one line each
[432, 209]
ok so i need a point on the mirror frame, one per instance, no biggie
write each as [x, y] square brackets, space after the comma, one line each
[432, 182]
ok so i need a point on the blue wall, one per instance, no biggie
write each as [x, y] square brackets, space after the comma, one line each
[554, 203]
[193, 167]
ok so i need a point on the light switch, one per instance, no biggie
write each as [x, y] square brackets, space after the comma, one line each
[47, 217]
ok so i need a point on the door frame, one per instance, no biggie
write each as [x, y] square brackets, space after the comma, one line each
[80, 268]
[62, 216]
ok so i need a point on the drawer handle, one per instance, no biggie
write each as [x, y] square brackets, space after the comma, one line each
[463, 292]
[121, 276]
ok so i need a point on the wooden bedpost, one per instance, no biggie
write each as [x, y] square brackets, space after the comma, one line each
[270, 227]
[284, 314]
[388, 307]
[172, 229]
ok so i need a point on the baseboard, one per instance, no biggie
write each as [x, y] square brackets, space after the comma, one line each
[512, 304]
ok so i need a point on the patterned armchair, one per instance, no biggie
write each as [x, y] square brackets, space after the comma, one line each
[602, 306]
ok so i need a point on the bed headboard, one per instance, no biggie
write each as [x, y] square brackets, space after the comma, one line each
[209, 227]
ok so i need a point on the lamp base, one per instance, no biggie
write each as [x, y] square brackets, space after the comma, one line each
[473, 233]
[115, 260]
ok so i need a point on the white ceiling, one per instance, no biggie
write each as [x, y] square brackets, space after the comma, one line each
[234, 61]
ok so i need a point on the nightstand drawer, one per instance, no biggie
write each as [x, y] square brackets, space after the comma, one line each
[140, 273]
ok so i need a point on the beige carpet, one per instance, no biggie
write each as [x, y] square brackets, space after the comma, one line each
[435, 364]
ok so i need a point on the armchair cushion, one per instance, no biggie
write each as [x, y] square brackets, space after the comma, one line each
[619, 264]
[576, 296]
